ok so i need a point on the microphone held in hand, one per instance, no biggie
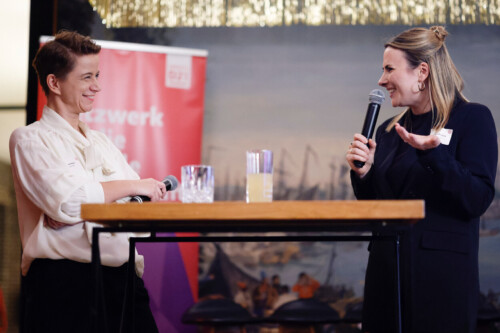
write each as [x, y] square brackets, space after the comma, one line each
[376, 98]
[170, 184]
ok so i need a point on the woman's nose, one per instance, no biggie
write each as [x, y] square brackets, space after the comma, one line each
[382, 81]
[96, 86]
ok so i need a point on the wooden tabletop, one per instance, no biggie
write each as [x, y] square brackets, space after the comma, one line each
[243, 214]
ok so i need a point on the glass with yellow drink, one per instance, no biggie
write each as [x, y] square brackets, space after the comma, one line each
[259, 176]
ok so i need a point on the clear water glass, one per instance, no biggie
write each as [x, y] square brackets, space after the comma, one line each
[197, 183]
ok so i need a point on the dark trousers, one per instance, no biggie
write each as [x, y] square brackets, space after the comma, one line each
[56, 297]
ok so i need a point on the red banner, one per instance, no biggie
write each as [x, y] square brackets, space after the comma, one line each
[151, 107]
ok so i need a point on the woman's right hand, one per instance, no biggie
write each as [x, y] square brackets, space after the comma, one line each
[151, 188]
[359, 151]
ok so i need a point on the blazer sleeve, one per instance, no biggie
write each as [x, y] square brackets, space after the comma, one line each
[467, 179]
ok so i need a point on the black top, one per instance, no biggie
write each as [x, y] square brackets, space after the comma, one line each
[406, 155]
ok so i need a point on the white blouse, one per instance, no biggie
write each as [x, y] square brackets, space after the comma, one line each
[55, 170]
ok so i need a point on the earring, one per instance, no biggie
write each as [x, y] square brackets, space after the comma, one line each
[421, 86]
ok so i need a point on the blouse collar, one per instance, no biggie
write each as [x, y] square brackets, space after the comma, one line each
[53, 120]
[94, 157]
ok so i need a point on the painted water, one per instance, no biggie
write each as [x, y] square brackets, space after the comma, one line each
[338, 264]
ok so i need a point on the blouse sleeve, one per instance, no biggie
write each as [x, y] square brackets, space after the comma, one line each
[49, 181]
[88, 193]
[467, 179]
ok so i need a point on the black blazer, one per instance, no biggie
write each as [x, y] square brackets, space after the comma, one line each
[439, 255]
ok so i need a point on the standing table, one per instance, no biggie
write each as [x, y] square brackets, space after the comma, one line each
[305, 220]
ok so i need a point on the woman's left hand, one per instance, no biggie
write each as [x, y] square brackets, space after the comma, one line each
[420, 142]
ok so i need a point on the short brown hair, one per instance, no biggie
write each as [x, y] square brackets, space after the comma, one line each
[58, 56]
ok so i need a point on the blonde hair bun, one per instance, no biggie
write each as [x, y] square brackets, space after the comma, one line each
[440, 32]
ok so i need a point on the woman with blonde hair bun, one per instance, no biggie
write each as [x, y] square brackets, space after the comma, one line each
[442, 149]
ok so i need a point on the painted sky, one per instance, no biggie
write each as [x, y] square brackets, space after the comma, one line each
[284, 88]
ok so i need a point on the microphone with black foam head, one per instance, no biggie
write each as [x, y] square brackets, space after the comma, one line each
[170, 184]
[376, 98]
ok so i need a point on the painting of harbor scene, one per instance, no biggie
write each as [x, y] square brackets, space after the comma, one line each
[302, 92]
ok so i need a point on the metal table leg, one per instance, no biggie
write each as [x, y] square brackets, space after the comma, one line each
[98, 310]
[398, 283]
[128, 313]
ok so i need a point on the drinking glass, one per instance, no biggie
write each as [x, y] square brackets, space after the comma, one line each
[197, 183]
[259, 175]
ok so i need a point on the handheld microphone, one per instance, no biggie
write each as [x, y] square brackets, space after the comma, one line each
[376, 98]
[170, 184]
